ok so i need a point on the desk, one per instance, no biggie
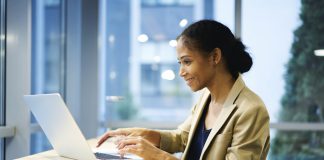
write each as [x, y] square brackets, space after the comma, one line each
[52, 155]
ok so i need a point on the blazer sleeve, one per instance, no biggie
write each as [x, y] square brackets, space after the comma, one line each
[250, 135]
[176, 140]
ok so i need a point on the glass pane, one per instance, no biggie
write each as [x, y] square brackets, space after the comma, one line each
[2, 71]
[286, 73]
[297, 145]
[47, 56]
[141, 63]
[269, 39]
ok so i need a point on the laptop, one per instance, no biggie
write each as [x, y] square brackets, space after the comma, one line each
[61, 129]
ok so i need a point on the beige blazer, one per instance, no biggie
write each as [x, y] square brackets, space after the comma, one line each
[241, 130]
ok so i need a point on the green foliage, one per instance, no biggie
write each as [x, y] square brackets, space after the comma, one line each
[303, 100]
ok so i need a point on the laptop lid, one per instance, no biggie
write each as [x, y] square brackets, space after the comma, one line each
[59, 126]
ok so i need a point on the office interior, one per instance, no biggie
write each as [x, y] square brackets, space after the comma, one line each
[114, 63]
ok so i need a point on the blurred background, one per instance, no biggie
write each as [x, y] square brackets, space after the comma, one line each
[115, 64]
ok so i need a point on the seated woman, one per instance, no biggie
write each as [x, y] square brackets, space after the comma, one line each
[229, 121]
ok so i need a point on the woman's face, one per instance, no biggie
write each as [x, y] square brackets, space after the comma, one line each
[197, 70]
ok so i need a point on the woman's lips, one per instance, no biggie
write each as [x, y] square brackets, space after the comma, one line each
[189, 81]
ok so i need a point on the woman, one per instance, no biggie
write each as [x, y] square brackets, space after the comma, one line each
[229, 121]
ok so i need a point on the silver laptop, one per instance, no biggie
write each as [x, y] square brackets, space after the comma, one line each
[61, 129]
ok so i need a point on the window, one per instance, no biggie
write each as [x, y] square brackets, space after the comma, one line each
[272, 38]
[139, 53]
[269, 50]
[141, 63]
[141, 82]
[48, 56]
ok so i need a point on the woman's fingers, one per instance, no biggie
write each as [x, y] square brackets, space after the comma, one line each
[120, 132]
[134, 146]
[128, 141]
[132, 149]
[141, 147]
[102, 139]
[138, 146]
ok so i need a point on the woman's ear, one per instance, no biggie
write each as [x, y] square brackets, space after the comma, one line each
[217, 55]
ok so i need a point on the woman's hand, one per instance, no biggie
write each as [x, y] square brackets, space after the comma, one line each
[150, 135]
[143, 148]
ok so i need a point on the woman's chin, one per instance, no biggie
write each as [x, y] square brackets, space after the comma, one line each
[195, 89]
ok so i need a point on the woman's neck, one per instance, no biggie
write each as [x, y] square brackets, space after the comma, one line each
[220, 88]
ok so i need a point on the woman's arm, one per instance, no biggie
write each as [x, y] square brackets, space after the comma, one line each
[167, 140]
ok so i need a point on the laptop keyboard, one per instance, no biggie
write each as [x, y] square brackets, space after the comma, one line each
[104, 156]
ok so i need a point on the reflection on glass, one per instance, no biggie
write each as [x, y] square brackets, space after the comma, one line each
[47, 56]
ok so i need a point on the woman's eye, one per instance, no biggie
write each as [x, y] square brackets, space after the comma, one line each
[186, 62]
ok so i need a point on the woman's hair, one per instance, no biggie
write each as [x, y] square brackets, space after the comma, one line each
[206, 35]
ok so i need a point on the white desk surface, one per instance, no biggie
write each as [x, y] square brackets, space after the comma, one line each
[52, 155]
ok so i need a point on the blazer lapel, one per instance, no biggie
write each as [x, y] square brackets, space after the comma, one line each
[195, 119]
[225, 113]
[227, 109]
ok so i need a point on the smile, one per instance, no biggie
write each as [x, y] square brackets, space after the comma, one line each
[189, 80]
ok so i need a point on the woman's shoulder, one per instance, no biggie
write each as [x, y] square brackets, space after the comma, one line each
[249, 100]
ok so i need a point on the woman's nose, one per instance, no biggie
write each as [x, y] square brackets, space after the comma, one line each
[182, 72]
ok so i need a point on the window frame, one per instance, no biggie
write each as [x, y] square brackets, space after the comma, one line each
[2, 61]
[2, 76]
[18, 45]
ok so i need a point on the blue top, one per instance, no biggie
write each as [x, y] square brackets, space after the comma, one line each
[200, 137]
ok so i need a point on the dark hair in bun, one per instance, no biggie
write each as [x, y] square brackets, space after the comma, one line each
[206, 35]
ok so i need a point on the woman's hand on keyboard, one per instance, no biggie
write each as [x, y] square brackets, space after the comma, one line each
[142, 148]
[150, 135]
